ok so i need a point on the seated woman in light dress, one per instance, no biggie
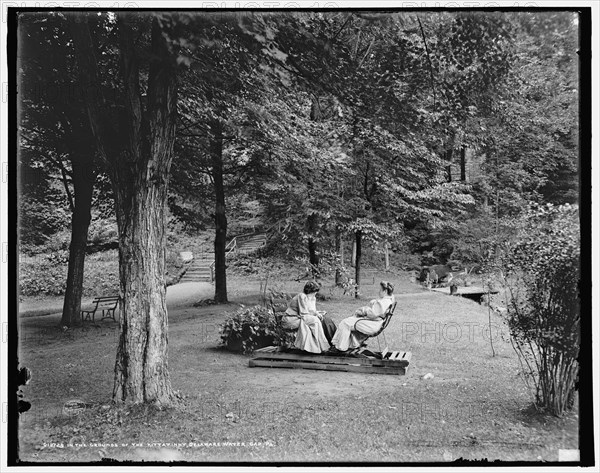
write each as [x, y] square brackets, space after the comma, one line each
[346, 338]
[302, 314]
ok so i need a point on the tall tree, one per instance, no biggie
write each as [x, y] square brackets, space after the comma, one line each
[138, 162]
[218, 87]
[54, 126]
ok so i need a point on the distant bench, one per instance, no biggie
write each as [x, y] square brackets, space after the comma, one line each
[106, 304]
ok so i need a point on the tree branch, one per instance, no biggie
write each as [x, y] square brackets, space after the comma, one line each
[342, 27]
[66, 184]
[366, 54]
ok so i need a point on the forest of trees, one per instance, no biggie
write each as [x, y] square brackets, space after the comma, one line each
[418, 130]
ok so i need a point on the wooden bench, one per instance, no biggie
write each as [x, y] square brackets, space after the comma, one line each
[106, 304]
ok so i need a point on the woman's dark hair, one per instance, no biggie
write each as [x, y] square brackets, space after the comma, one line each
[311, 286]
[387, 287]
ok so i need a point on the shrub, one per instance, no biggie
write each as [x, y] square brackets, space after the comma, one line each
[46, 274]
[38, 220]
[249, 328]
[42, 275]
[542, 275]
[102, 235]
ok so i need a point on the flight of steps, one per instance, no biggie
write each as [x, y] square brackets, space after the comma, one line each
[199, 270]
[246, 245]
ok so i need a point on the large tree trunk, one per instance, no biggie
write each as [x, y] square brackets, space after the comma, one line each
[358, 239]
[141, 373]
[216, 152]
[83, 184]
[139, 165]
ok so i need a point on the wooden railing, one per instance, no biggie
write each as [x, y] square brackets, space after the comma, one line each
[229, 248]
[232, 245]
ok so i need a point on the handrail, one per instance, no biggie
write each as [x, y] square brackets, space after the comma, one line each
[244, 235]
[212, 271]
[233, 247]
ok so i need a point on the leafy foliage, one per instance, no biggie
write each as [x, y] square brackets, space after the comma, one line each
[46, 274]
[249, 328]
[542, 272]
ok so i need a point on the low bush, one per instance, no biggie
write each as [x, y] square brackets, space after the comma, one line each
[250, 328]
[542, 274]
[46, 274]
[102, 235]
[42, 275]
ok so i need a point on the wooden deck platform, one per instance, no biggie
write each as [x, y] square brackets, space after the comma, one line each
[471, 292]
[363, 361]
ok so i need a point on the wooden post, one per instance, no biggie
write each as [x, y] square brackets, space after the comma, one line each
[358, 246]
[339, 247]
[353, 253]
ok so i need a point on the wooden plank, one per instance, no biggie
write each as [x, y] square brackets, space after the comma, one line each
[465, 290]
[324, 359]
[397, 370]
[266, 349]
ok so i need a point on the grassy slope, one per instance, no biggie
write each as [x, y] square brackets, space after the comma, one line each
[474, 407]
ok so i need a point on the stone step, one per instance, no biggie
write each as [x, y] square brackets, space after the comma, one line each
[254, 239]
[196, 280]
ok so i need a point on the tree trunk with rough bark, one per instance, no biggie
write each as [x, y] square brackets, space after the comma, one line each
[139, 164]
[216, 152]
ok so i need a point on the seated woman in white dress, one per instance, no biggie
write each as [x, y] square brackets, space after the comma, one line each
[302, 314]
[346, 338]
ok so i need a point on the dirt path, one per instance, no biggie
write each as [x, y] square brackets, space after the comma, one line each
[178, 295]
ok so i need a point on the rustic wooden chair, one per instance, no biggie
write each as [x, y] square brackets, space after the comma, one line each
[278, 303]
[386, 320]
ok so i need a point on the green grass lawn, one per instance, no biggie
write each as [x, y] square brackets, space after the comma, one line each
[475, 406]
